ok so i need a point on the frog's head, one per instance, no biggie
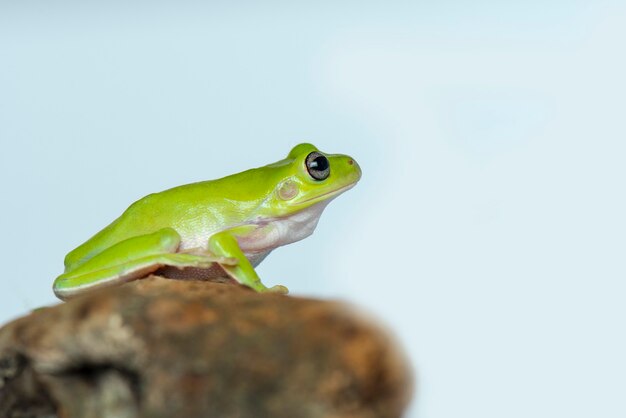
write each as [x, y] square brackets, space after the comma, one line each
[309, 177]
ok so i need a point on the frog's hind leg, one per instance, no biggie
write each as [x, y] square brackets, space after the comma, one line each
[131, 259]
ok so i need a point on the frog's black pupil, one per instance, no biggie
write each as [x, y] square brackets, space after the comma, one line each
[320, 163]
[318, 166]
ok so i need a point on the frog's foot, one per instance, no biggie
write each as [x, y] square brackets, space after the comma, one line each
[133, 259]
[197, 259]
[83, 279]
[277, 289]
[183, 260]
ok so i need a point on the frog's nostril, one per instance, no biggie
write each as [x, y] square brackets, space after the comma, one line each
[351, 162]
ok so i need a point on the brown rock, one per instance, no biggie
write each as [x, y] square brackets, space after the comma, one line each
[169, 348]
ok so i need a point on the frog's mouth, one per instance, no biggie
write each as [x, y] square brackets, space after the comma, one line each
[326, 196]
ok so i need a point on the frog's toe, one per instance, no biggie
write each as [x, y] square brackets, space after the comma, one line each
[226, 261]
[181, 260]
[278, 289]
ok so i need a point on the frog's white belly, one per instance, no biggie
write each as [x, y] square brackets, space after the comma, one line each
[269, 234]
[276, 232]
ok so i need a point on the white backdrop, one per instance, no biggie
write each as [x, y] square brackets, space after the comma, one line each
[487, 231]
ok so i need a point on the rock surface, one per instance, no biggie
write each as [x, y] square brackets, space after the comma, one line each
[168, 348]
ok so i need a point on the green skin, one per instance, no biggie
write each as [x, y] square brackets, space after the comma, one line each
[216, 228]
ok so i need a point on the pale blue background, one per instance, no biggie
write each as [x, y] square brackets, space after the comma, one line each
[488, 230]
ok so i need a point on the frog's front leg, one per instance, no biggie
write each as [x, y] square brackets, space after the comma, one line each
[131, 259]
[225, 243]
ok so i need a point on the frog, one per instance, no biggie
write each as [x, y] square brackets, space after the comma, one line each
[212, 230]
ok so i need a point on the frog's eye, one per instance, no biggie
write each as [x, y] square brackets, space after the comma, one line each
[318, 166]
